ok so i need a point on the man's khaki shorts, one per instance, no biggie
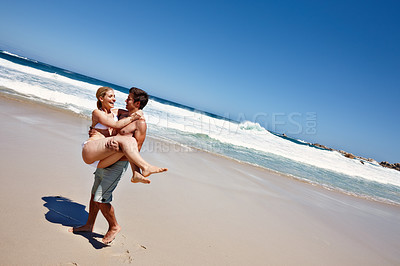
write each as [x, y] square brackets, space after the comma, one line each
[106, 180]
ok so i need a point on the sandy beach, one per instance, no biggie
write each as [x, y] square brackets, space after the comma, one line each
[206, 210]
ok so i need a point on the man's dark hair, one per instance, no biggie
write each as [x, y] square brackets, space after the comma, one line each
[139, 95]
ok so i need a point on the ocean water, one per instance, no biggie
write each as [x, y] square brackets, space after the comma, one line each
[246, 141]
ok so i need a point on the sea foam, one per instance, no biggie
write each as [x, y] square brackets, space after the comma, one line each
[195, 128]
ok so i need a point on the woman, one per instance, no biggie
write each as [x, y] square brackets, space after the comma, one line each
[101, 146]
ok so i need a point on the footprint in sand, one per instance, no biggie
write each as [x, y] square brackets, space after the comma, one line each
[120, 251]
[125, 251]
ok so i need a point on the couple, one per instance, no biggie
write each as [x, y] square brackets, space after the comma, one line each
[116, 137]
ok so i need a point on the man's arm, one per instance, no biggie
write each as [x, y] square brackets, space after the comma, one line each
[140, 133]
[137, 130]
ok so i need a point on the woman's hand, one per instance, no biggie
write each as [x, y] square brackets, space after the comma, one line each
[137, 115]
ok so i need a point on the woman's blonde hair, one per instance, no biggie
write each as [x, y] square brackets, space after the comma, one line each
[100, 93]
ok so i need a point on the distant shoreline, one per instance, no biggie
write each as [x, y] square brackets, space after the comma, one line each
[395, 166]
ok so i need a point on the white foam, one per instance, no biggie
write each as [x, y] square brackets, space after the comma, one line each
[46, 94]
[62, 90]
[52, 87]
[43, 74]
[5, 52]
[252, 135]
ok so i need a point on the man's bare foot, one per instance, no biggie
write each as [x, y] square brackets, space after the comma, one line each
[110, 235]
[112, 144]
[151, 169]
[138, 178]
[83, 228]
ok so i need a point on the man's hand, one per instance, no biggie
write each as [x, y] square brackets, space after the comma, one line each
[112, 144]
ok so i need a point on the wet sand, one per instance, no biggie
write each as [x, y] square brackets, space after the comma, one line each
[206, 210]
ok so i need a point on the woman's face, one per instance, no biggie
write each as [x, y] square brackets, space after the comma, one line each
[107, 102]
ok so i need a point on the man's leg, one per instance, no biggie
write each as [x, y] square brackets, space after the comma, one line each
[106, 180]
[109, 178]
[113, 227]
[93, 210]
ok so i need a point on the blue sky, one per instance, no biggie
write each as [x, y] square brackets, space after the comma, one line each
[284, 64]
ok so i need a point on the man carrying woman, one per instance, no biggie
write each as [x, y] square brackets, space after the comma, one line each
[114, 153]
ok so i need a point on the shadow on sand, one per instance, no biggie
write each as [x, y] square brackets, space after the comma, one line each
[70, 214]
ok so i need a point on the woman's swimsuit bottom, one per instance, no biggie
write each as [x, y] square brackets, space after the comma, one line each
[99, 126]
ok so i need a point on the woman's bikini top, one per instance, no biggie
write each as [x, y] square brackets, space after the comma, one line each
[101, 126]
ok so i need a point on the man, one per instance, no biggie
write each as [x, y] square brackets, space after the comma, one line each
[106, 179]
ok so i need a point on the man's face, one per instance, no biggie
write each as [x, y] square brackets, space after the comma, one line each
[130, 105]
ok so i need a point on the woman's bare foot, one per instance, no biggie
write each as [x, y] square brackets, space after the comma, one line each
[83, 228]
[110, 235]
[151, 169]
[138, 178]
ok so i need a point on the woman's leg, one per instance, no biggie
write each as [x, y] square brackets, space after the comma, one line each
[128, 146]
[97, 150]
[137, 177]
[107, 151]
[110, 160]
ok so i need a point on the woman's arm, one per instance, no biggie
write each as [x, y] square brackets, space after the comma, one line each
[102, 118]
